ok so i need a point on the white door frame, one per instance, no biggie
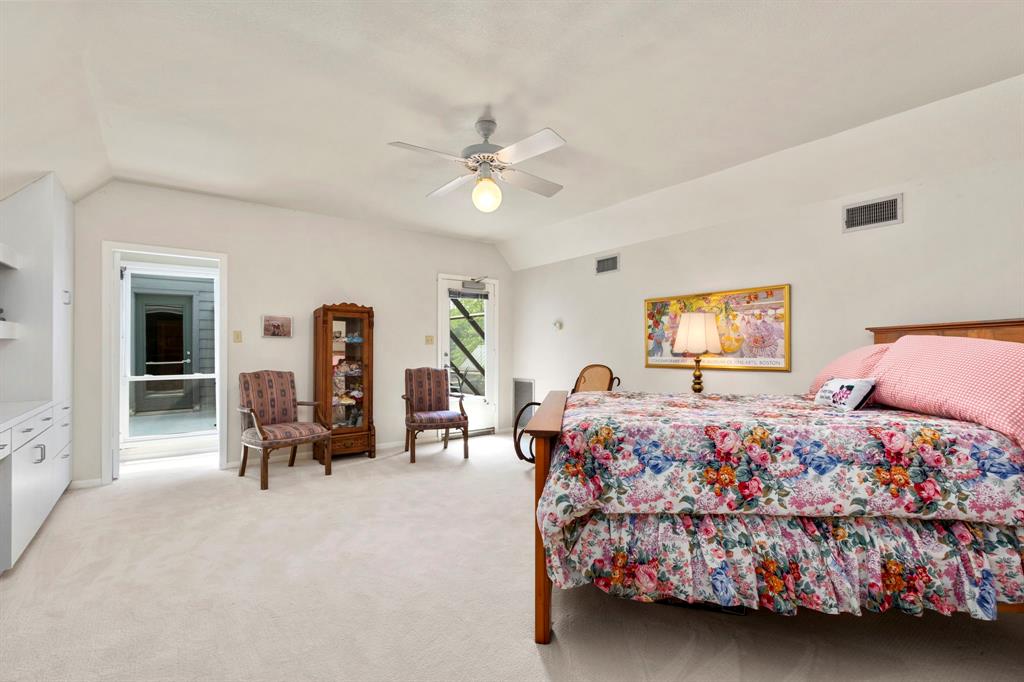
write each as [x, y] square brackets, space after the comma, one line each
[110, 367]
[493, 348]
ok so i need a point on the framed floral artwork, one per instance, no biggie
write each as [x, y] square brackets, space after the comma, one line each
[753, 328]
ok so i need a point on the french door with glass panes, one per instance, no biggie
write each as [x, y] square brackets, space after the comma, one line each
[467, 345]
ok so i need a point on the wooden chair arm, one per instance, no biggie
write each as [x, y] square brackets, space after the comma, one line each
[461, 397]
[321, 419]
[255, 421]
[408, 404]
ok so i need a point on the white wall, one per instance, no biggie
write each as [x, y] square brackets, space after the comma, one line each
[287, 263]
[959, 255]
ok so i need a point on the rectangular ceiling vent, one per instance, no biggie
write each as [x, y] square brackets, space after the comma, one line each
[606, 264]
[874, 213]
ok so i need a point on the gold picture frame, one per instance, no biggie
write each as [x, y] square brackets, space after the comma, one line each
[754, 326]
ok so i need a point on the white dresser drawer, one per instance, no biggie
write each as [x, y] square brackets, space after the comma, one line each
[62, 472]
[25, 431]
[5, 443]
[62, 421]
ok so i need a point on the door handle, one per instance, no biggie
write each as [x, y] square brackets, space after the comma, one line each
[47, 419]
[42, 454]
[28, 430]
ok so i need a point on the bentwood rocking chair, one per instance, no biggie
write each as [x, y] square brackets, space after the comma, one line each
[426, 408]
[270, 419]
[591, 378]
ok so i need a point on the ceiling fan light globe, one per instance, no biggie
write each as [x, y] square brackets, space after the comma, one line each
[486, 195]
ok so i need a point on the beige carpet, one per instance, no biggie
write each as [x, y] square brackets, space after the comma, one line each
[392, 571]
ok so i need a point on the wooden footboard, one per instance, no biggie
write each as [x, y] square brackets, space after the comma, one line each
[545, 427]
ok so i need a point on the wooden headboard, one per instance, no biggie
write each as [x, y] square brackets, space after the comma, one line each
[1000, 330]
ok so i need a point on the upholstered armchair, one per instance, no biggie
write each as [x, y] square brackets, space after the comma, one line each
[427, 408]
[270, 419]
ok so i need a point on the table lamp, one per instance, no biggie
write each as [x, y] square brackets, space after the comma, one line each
[697, 334]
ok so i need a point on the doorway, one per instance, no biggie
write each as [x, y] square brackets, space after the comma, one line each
[168, 377]
[467, 345]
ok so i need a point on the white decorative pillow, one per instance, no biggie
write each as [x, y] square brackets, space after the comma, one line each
[845, 394]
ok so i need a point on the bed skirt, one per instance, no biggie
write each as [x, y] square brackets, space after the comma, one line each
[832, 565]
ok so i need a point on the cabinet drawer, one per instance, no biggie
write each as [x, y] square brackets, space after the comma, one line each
[62, 421]
[5, 443]
[350, 443]
[62, 471]
[30, 428]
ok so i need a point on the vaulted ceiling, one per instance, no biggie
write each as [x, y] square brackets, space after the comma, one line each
[292, 104]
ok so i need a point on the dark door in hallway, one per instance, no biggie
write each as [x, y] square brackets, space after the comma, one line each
[162, 340]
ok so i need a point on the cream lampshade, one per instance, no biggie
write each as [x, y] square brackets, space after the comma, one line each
[697, 334]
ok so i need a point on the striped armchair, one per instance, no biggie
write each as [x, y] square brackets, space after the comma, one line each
[270, 419]
[427, 408]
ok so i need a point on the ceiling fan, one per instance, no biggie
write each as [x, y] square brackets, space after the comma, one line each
[485, 161]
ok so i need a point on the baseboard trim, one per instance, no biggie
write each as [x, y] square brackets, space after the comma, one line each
[85, 483]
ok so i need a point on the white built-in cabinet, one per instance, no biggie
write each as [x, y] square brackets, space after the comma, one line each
[36, 293]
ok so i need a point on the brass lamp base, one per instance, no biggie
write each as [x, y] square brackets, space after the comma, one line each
[698, 376]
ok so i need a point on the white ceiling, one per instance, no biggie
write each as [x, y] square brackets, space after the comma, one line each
[292, 104]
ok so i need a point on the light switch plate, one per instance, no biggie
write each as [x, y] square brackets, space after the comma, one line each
[236, 336]
[429, 340]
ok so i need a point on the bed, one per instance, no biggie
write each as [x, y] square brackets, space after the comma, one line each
[773, 502]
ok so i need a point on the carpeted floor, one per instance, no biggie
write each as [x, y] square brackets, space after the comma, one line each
[392, 571]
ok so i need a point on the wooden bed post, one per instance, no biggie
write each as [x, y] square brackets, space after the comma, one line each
[546, 427]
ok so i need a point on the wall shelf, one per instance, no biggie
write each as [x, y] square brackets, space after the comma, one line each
[8, 330]
[8, 257]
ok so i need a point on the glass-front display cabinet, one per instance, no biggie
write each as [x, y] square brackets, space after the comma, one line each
[343, 357]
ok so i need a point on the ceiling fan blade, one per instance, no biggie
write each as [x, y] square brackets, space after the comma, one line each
[424, 150]
[527, 148]
[454, 184]
[525, 180]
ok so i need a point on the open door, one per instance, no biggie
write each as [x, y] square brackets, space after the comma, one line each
[468, 346]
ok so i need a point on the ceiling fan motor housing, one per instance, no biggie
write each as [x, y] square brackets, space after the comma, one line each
[483, 153]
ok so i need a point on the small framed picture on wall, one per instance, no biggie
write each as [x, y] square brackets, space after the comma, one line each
[278, 326]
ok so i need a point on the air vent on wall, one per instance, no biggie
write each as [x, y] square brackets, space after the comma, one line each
[873, 213]
[522, 393]
[605, 264]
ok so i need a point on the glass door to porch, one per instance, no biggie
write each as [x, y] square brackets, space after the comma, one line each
[467, 347]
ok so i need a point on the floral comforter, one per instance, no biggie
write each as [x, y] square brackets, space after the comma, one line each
[773, 501]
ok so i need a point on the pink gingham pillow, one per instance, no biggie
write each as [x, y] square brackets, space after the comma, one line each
[975, 380]
[859, 363]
